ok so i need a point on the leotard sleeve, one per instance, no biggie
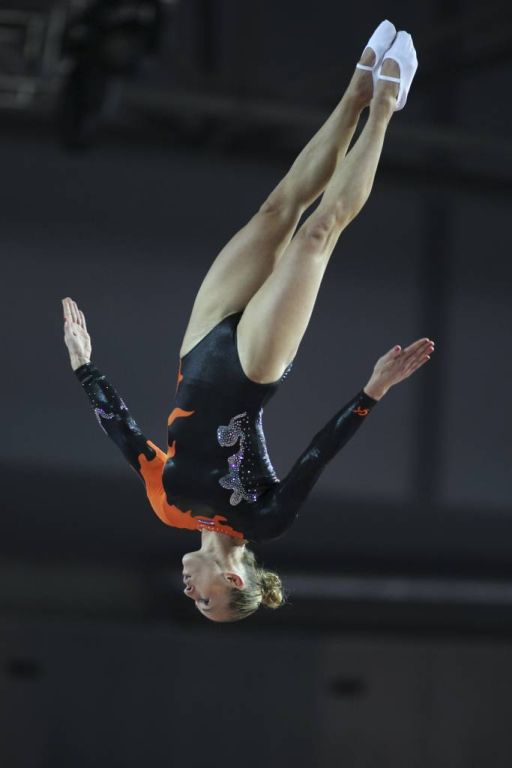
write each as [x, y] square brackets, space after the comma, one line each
[115, 419]
[285, 499]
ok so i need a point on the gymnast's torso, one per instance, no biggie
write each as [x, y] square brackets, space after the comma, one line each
[218, 462]
[216, 473]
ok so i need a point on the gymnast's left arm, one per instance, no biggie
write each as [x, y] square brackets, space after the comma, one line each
[109, 408]
[393, 367]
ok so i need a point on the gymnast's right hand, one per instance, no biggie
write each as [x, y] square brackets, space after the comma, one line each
[76, 337]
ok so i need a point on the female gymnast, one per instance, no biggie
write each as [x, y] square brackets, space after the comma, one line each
[247, 322]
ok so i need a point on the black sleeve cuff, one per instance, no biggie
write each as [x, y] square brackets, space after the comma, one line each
[365, 400]
[86, 372]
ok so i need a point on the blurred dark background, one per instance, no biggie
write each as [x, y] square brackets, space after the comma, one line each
[136, 138]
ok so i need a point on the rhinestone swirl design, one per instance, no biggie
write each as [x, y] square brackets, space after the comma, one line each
[237, 429]
[100, 412]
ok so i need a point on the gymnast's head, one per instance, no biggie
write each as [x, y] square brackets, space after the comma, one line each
[226, 583]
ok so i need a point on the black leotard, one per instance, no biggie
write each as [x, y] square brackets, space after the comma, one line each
[216, 473]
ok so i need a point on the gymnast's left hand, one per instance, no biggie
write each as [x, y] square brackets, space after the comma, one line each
[76, 336]
[396, 365]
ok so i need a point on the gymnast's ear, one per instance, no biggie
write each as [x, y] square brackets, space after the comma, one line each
[235, 580]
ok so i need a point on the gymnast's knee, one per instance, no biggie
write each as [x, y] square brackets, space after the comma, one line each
[326, 223]
[281, 206]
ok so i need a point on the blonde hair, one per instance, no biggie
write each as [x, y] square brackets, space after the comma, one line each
[262, 587]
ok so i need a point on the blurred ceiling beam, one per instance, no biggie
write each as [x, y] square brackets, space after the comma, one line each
[237, 115]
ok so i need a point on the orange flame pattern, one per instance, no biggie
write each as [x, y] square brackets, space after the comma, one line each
[152, 472]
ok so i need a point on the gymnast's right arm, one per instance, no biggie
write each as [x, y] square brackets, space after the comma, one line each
[109, 408]
[284, 501]
[113, 416]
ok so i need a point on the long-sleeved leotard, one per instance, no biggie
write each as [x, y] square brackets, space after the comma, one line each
[203, 481]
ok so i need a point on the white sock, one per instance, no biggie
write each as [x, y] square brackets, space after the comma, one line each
[403, 52]
[379, 42]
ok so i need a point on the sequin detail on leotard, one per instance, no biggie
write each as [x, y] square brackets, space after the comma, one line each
[100, 412]
[237, 428]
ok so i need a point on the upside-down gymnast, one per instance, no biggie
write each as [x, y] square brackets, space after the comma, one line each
[247, 321]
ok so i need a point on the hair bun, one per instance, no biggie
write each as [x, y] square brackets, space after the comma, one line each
[271, 589]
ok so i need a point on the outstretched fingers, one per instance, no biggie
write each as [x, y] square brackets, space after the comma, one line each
[74, 310]
[68, 317]
[417, 354]
[72, 313]
[67, 306]
[416, 346]
[406, 355]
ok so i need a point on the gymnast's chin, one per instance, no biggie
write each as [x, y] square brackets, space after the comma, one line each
[225, 582]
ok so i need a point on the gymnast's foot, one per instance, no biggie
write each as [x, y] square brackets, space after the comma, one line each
[364, 80]
[387, 91]
[395, 75]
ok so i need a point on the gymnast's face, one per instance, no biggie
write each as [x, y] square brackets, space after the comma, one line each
[209, 585]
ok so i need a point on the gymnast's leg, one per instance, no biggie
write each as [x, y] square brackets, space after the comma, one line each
[249, 257]
[276, 318]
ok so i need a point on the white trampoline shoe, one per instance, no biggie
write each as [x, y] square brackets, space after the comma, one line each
[403, 52]
[379, 42]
